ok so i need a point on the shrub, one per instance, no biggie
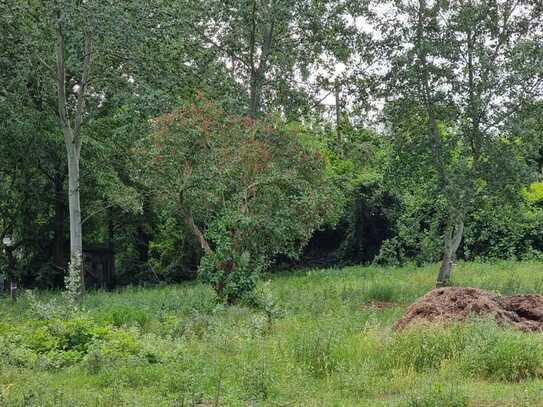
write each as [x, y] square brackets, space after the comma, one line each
[122, 315]
[77, 334]
[115, 346]
[263, 300]
[247, 190]
[438, 396]
[56, 359]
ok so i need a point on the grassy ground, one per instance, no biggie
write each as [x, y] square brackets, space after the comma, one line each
[322, 346]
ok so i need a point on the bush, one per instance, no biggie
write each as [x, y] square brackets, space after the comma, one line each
[248, 190]
[233, 276]
[122, 315]
[438, 396]
[116, 346]
[57, 335]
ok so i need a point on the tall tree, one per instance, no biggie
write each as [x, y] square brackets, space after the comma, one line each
[71, 119]
[279, 50]
[455, 75]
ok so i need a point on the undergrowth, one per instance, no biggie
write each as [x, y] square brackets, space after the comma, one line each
[309, 338]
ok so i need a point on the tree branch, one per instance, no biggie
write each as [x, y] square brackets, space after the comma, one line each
[198, 233]
[61, 82]
[82, 90]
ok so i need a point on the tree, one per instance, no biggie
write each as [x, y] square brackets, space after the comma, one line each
[71, 127]
[247, 190]
[454, 84]
[275, 47]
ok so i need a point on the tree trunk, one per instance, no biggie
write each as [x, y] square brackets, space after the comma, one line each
[452, 239]
[76, 229]
[258, 74]
[110, 230]
[255, 95]
[143, 236]
[11, 264]
[337, 94]
[198, 233]
[72, 139]
[59, 256]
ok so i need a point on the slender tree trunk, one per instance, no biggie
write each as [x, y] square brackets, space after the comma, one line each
[11, 264]
[337, 94]
[142, 235]
[110, 229]
[452, 239]
[74, 203]
[258, 73]
[59, 255]
[71, 129]
[254, 102]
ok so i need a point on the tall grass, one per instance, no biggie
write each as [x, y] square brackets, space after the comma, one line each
[173, 345]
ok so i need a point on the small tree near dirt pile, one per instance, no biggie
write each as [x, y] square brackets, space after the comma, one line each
[247, 190]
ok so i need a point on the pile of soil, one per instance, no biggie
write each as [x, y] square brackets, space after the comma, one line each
[450, 304]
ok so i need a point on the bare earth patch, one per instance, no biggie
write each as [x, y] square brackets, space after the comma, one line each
[379, 305]
[450, 304]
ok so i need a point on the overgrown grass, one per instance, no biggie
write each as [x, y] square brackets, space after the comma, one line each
[174, 346]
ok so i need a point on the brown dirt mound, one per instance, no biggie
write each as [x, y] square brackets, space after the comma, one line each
[450, 304]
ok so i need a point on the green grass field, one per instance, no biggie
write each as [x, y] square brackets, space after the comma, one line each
[322, 344]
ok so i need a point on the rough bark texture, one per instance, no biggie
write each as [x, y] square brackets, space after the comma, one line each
[452, 239]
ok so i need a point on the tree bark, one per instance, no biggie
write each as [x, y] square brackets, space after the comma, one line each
[72, 138]
[143, 236]
[110, 230]
[198, 234]
[59, 256]
[452, 239]
[76, 228]
[255, 96]
[258, 73]
[337, 94]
